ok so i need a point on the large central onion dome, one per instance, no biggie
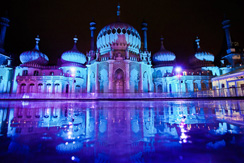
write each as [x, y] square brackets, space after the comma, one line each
[118, 35]
[34, 56]
[163, 55]
[74, 55]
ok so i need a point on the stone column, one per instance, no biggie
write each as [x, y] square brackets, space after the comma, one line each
[110, 76]
[60, 88]
[88, 85]
[127, 76]
[53, 87]
[127, 53]
[96, 79]
[73, 85]
[141, 78]
[18, 88]
[36, 87]
[150, 79]
[199, 85]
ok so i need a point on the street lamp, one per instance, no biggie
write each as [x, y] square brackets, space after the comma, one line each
[73, 69]
[178, 70]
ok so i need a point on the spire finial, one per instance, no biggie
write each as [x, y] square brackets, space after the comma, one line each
[37, 42]
[162, 42]
[75, 39]
[118, 12]
[197, 42]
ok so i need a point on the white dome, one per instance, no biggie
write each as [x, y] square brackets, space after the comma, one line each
[202, 55]
[118, 34]
[163, 55]
[74, 55]
[34, 56]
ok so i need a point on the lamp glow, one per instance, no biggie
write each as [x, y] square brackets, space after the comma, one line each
[178, 69]
[73, 69]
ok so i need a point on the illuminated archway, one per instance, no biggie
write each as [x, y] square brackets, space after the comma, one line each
[119, 81]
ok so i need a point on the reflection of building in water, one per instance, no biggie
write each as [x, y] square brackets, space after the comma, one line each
[105, 128]
[231, 112]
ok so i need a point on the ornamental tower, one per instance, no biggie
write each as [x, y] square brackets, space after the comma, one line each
[4, 23]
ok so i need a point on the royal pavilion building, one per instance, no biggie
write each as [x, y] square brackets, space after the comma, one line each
[119, 62]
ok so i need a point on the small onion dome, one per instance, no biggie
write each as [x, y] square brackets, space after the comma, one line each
[202, 55]
[34, 56]
[163, 55]
[74, 55]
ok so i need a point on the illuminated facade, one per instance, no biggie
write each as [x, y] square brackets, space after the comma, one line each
[6, 70]
[231, 80]
[120, 63]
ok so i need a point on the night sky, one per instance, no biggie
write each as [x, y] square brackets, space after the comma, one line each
[178, 21]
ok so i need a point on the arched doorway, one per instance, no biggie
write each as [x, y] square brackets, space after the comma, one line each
[203, 86]
[119, 81]
[56, 88]
[103, 81]
[170, 88]
[32, 86]
[160, 88]
[67, 88]
[40, 88]
[195, 87]
[23, 88]
[77, 89]
[145, 82]
[134, 81]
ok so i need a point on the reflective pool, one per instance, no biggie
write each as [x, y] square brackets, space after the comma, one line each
[122, 131]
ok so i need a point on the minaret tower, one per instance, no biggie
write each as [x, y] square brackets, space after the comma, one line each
[4, 23]
[144, 30]
[233, 56]
[91, 54]
[226, 26]
[92, 28]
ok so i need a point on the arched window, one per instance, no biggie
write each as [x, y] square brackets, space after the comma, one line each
[51, 73]
[36, 73]
[25, 72]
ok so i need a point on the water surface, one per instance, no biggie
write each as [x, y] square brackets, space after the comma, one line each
[122, 131]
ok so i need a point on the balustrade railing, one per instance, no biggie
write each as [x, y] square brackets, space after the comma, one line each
[224, 92]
